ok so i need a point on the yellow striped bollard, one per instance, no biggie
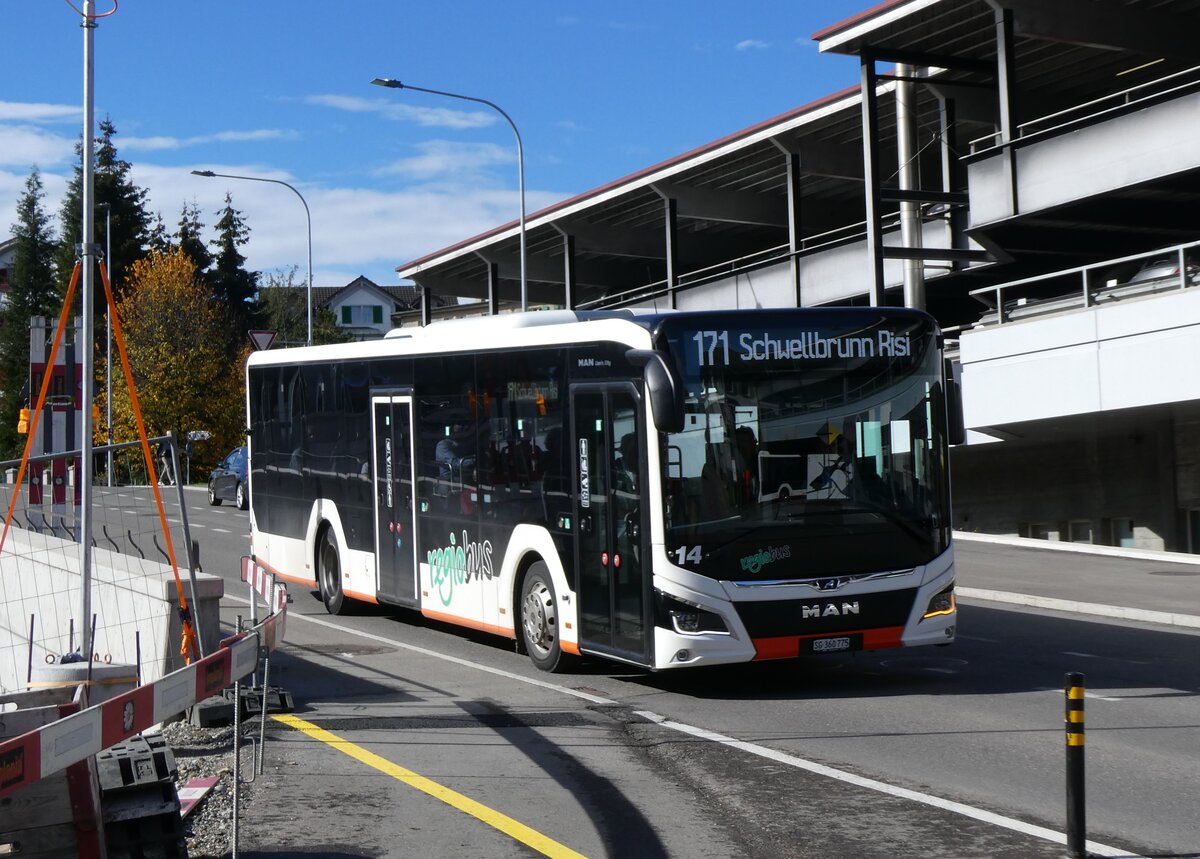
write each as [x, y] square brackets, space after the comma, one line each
[1076, 817]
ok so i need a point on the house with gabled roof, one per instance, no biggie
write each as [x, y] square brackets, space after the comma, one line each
[365, 309]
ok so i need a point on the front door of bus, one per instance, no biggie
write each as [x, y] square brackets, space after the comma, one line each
[611, 584]
[395, 514]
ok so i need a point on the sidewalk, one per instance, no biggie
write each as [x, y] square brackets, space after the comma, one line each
[1103, 581]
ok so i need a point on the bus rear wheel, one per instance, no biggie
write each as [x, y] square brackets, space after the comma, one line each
[539, 619]
[329, 574]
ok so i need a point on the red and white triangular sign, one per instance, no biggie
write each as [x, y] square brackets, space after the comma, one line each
[262, 340]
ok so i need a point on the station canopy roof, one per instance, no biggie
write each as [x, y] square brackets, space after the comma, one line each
[731, 194]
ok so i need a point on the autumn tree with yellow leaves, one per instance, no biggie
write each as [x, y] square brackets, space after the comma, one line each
[187, 365]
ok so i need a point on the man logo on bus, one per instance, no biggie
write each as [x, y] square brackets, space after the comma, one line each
[829, 609]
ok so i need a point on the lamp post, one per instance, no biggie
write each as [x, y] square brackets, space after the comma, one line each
[395, 84]
[108, 336]
[210, 174]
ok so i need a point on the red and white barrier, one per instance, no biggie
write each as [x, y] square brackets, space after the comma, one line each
[34, 755]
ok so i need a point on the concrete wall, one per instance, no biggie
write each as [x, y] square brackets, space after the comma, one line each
[131, 598]
[1113, 469]
[1118, 356]
[1147, 144]
[832, 275]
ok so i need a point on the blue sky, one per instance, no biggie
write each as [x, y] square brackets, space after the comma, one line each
[281, 90]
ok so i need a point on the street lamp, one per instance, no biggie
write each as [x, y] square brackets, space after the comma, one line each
[108, 334]
[210, 174]
[395, 84]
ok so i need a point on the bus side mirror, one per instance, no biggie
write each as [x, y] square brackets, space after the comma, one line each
[956, 424]
[663, 389]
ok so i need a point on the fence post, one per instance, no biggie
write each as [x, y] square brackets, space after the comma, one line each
[1076, 814]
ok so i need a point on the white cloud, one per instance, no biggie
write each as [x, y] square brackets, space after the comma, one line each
[444, 158]
[163, 142]
[751, 45]
[25, 145]
[355, 230]
[360, 230]
[394, 109]
[33, 112]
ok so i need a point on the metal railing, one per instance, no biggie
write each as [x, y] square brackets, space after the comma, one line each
[1005, 308]
[1090, 111]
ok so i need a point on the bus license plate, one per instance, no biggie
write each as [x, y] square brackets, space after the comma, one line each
[830, 645]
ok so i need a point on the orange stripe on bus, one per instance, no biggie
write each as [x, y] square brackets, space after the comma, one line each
[355, 595]
[571, 647]
[312, 583]
[297, 580]
[506, 631]
[788, 646]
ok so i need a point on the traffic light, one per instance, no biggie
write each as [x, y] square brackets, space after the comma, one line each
[23, 422]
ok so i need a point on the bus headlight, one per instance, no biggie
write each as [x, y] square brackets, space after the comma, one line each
[940, 604]
[685, 617]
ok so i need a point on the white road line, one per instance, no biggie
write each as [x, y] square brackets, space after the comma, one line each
[222, 531]
[412, 648]
[883, 787]
[1100, 697]
[751, 748]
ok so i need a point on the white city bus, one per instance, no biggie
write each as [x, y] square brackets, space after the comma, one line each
[589, 483]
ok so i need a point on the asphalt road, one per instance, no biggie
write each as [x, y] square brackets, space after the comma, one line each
[946, 752]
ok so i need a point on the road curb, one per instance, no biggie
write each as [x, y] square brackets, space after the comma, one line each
[1095, 609]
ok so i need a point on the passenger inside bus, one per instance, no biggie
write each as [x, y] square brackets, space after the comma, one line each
[456, 464]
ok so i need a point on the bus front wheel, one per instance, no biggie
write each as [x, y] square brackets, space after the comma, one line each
[539, 619]
[329, 574]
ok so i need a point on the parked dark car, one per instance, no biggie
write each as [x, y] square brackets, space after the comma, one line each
[228, 481]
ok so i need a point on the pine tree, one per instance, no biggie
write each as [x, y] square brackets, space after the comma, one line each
[157, 238]
[32, 292]
[189, 239]
[128, 217]
[231, 283]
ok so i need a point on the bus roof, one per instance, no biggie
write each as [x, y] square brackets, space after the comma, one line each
[534, 319]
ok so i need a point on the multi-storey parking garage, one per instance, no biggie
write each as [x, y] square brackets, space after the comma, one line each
[1025, 171]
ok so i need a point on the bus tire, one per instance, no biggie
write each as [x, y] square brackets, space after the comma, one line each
[539, 619]
[329, 574]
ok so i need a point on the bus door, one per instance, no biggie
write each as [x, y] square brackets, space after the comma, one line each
[612, 587]
[395, 513]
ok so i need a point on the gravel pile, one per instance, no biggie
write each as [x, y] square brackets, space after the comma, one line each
[201, 752]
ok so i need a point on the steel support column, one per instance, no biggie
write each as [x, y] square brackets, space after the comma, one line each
[909, 172]
[1006, 79]
[426, 305]
[493, 279]
[671, 240]
[870, 131]
[953, 174]
[795, 237]
[569, 295]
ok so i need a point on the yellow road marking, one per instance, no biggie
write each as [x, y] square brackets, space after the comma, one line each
[512, 828]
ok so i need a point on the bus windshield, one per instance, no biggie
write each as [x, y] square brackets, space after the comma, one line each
[809, 449]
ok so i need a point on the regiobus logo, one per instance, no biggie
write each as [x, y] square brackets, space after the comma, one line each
[754, 563]
[456, 565]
